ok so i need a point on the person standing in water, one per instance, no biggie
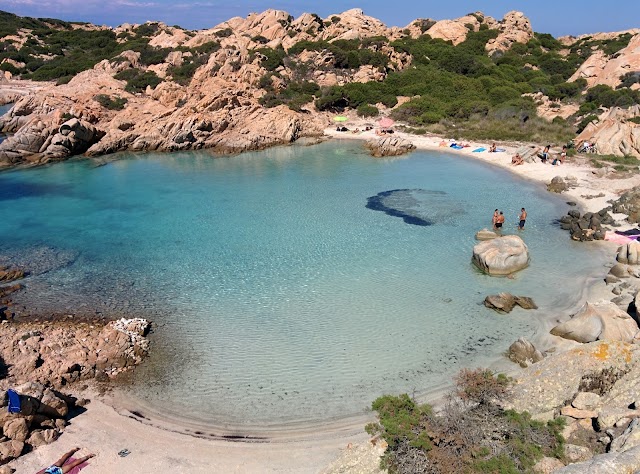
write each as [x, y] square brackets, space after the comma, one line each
[499, 221]
[523, 219]
[495, 218]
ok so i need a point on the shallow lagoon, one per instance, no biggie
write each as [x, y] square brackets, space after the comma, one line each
[279, 296]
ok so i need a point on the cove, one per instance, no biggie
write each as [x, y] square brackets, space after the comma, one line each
[279, 294]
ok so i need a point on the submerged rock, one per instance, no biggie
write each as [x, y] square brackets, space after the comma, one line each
[505, 302]
[486, 234]
[501, 256]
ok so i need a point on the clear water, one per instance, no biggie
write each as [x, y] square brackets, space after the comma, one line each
[279, 295]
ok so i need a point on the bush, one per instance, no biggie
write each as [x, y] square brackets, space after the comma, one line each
[107, 102]
[477, 437]
[366, 110]
[138, 81]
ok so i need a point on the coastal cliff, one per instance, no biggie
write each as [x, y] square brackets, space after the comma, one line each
[269, 79]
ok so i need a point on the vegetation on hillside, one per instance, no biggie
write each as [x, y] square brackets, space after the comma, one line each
[472, 434]
[455, 90]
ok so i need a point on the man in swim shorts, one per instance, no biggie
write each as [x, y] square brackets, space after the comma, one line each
[500, 221]
[523, 218]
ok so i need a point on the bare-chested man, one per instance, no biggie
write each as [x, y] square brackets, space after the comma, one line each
[523, 218]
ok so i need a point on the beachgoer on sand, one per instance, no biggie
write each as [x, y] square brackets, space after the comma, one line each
[523, 218]
[59, 467]
[492, 148]
[561, 158]
[544, 156]
[517, 159]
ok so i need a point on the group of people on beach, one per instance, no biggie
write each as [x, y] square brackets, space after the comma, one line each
[545, 156]
[498, 219]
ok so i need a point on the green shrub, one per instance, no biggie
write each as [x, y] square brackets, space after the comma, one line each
[273, 58]
[107, 102]
[224, 33]
[366, 110]
[137, 81]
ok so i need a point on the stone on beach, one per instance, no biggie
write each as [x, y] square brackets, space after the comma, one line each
[501, 256]
[629, 253]
[524, 353]
[603, 321]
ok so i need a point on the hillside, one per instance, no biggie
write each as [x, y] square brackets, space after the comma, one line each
[267, 79]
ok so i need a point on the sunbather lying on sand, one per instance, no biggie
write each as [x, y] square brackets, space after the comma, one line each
[516, 159]
[59, 467]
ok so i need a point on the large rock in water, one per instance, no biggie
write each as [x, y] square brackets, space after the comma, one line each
[602, 321]
[389, 146]
[501, 256]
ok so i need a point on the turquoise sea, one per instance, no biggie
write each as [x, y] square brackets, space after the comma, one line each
[278, 295]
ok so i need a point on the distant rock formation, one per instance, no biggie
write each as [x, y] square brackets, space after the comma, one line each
[613, 133]
[514, 28]
[220, 107]
[599, 68]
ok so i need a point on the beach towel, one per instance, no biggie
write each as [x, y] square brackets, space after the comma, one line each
[478, 150]
[619, 238]
[457, 147]
[14, 402]
[500, 149]
[78, 468]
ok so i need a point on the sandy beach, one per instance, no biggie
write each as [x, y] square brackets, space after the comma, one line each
[105, 430]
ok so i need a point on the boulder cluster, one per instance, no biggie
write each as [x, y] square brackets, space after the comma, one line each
[63, 352]
[595, 389]
[587, 226]
[42, 417]
[629, 204]
[38, 142]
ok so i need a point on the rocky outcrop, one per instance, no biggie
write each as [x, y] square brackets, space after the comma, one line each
[389, 146]
[613, 133]
[629, 204]
[629, 253]
[514, 28]
[59, 353]
[505, 302]
[501, 256]
[599, 68]
[586, 227]
[602, 321]
[40, 421]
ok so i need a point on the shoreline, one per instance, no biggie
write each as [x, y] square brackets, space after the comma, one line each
[108, 426]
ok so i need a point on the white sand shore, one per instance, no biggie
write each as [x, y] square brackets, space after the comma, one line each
[105, 431]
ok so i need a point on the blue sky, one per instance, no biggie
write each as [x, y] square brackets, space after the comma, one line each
[558, 17]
